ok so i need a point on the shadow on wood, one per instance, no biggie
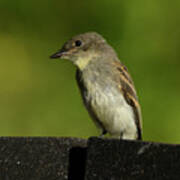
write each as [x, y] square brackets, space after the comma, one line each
[77, 163]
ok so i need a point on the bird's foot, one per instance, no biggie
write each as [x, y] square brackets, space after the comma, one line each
[104, 132]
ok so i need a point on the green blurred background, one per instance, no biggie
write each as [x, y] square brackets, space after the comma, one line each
[39, 97]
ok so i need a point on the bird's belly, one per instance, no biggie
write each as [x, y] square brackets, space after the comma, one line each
[114, 113]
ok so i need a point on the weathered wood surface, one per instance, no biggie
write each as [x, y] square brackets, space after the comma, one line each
[132, 160]
[40, 158]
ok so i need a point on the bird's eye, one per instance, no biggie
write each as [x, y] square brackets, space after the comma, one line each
[78, 43]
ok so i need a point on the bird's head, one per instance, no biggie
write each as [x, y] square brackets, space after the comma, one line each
[82, 49]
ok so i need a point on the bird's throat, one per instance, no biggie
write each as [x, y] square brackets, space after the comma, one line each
[82, 62]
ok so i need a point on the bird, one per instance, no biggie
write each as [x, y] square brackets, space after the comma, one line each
[105, 84]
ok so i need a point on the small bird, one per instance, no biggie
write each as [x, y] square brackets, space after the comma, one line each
[106, 87]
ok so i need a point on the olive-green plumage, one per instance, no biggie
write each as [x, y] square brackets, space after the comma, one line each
[106, 87]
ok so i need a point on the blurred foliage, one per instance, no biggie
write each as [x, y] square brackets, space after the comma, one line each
[39, 97]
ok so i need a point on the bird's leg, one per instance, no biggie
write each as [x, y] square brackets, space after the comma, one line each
[104, 132]
[121, 135]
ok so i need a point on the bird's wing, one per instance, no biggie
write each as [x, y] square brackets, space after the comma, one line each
[126, 86]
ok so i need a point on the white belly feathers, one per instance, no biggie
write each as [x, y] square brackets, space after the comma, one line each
[113, 111]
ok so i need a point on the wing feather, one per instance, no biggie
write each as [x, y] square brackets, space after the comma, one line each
[127, 88]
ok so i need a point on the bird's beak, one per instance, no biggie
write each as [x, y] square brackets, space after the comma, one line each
[58, 54]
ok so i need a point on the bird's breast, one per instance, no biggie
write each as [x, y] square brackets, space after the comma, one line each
[110, 106]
